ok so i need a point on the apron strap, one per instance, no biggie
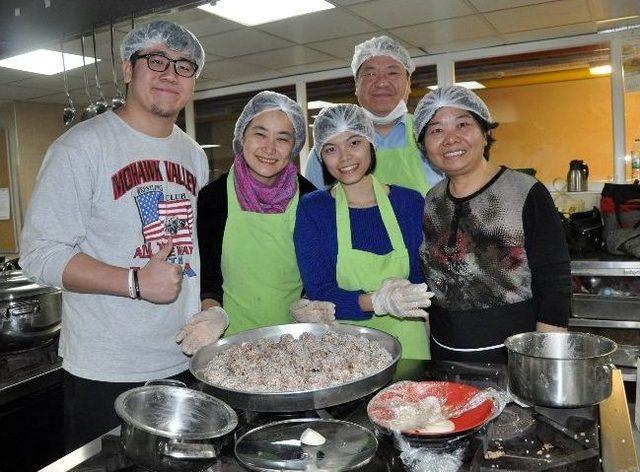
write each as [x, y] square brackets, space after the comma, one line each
[475, 349]
[386, 212]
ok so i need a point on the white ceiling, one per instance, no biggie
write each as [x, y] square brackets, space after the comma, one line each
[325, 40]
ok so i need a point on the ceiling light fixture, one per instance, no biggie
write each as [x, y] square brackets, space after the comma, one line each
[317, 104]
[209, 146]
[44, 61]
[600, 70]
[621, 18]
[471, 85]
[258, 12]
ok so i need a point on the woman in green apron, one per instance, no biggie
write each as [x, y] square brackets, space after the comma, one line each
[357, 244]
[246, 218]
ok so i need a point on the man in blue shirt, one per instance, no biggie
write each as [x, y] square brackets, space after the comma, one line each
[382, 71]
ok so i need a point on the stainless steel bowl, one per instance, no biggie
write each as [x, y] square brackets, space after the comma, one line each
[299, 400]
[561, 370]
[167, 428]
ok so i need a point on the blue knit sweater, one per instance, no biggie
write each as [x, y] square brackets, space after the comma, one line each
[316, 243]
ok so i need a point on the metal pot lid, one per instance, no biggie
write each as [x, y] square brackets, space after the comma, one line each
[175, 412]
[21, 287]
[306, 444]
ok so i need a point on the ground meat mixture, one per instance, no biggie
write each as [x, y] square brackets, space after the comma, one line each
[290, 364]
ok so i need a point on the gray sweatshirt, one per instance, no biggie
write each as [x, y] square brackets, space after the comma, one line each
[113, 193]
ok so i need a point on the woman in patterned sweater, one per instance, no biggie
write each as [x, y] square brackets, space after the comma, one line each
[494, 251]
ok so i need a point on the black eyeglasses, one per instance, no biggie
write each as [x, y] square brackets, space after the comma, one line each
[160, 63]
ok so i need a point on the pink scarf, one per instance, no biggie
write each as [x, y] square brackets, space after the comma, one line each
[258, 197]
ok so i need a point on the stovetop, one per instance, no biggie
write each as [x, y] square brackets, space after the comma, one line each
[520, 439]
[27, 372]
[19, 366]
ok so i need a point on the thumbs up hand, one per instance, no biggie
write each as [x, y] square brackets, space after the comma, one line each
[159, 280]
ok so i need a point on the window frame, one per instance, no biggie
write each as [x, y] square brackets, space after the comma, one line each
[445, 68]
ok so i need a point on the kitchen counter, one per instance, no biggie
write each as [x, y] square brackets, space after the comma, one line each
[105, 455]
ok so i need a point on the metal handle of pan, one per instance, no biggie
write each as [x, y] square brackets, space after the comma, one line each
[177, 449]
[22, 308]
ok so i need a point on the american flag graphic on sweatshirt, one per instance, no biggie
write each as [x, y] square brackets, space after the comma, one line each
[163, 218]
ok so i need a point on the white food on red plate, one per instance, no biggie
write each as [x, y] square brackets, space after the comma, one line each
[425, 415]
[441, 427]
[311, 437]
[288, 364]
[413, 408]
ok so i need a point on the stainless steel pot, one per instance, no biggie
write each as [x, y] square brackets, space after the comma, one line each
[167, 427]
[563, 370]
[30, 314]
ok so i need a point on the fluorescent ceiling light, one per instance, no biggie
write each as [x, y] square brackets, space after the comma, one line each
[257, 12]
[44, 61]
[317, 104]
[622, 18]
[209, 146]
[600, 70]
[472, 85]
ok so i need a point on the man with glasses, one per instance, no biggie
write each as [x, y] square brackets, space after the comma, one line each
[382, 71]
[111, 220]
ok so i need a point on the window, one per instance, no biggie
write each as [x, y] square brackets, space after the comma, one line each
[552, 108]
[631, 67]
[343, 91]
[421, 78]
[327, 91]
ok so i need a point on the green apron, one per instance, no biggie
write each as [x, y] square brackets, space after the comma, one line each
[362, 270]
[402, 166]
[259, 269]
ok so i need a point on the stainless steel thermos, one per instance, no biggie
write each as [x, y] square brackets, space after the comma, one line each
[577, 176]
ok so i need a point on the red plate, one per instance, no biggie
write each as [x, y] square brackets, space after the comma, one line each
[453, 394]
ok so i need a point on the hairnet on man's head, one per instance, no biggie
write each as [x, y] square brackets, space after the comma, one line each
[171, 34]
[381, 46]
[336, 119]
[270, 101]
[452, 96]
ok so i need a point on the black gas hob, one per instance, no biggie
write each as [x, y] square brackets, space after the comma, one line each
[520, 439]
[31, 408]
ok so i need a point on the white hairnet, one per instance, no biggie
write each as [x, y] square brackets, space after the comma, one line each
[381, 46]
[338, 118]
[171, 34]
[270, 101]
[452, 96]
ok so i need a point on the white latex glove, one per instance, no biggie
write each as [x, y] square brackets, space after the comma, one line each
[312, 311]
[401, 298]
[203, 328]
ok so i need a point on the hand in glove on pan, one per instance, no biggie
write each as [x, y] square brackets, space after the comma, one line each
[203, 328]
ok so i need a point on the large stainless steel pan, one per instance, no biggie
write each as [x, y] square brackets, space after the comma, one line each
[299, 400]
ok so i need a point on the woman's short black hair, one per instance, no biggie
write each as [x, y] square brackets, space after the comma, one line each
[330, 179]
[485, 126]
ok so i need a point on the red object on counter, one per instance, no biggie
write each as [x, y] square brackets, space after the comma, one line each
[451, 394]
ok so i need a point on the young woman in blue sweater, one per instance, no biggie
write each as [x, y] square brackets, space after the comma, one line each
[357, 244]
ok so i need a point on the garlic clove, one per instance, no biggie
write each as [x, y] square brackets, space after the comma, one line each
[312, 438]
